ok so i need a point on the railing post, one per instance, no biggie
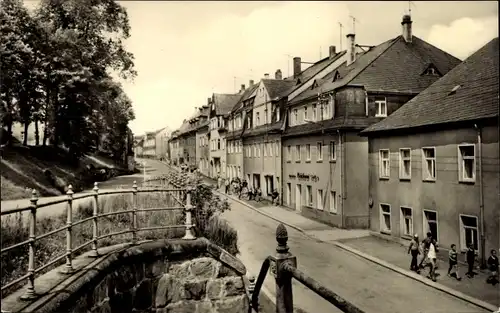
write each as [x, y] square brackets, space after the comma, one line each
[134, 214]
[189, 224]
[68, 268]
[284, 295]
[30, 291]
[251, 287]
[95, 230]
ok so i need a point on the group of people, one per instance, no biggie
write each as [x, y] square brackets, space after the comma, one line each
[429, 248]
[241, 188]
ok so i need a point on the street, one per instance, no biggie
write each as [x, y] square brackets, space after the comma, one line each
[370, 287]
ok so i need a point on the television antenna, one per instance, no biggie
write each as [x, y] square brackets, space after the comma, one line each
[340, 36]
[353, 23]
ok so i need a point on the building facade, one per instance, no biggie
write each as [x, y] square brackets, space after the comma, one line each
[202, 142]
[220, 107]
[162, 137]
[325, 170]
[149, 146]
[433, 170]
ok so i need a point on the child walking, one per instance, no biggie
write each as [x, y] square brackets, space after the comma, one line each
[452, 258]
[493, 267]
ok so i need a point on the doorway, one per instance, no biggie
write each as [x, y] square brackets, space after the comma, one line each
[298, 198]
[288, 194]
[256, 181]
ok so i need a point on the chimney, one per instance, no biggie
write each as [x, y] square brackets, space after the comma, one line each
[406, 23]
[250, 84]
[266, 76]
[333, 51]
[296, 66]
[278, 75]
[242, 87]
[351, 49]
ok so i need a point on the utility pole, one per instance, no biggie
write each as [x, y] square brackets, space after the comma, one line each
[340, 36]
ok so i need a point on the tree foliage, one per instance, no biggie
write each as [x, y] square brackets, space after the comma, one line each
[60, 65]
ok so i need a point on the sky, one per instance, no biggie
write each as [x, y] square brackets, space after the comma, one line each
[186, 50]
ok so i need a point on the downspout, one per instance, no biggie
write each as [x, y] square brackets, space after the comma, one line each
[342, 175]
[481, 195]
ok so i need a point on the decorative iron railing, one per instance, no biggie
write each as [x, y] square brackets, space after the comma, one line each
[283, 266]
[180, 195]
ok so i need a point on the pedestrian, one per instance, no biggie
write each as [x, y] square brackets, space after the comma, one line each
[219, 181]
[453, 260]
[414, 249]
[274, 196]
[493, 267]
[431, 255]
[227, 186]
[471, 258]
[258, 194]
[425, 248]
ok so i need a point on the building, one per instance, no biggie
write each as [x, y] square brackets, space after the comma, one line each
[434, 163]
[325, 170]
[199, 124]
[149, 145]
[220, 107]
[161, 139]
[138, 145]
[174, 148]
[234, 157]
[184, 144]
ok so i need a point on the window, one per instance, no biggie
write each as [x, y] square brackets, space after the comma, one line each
[405, 163]
[309, 195]
[218, 144]
[297, 153]
[431, 223]
[381, 104]
[319, 199]
[385, 218]
[265, 115]
[333, 155]
[270, 147]
[289, 153]
[305, 113]
[330, 109]
[288, 194]
[257, 146]
[468, 232]
[265, 149]
[257, 119]
[314, 112]
[255, 150]
[277, 148]
[321, 112]
[295, 116]
[320, 151]
[384, 164]
[406, 221]
[429, 164]
[308, 152]
[277, 114]
[333, 202]
[467, 163]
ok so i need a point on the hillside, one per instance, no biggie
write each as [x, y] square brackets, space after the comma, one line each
[47, 170]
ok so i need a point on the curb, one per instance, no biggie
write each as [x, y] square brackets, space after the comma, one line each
[447, 290]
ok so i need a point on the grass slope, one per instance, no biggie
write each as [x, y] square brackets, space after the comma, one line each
[23, 169]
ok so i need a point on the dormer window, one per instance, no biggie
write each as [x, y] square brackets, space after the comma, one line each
[431, 70]
[381, 105]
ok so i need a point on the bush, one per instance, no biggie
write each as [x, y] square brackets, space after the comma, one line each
[209, 224]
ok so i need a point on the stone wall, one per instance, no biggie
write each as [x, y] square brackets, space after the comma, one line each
[201, 285]
[162, 276]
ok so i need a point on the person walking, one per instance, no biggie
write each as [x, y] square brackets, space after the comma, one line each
[431, 255]
[227, 185]
[471, 258]
[274, 197]
[414, 249]
[493, 267]
[219, 181]
[453, 260]
[425, 248]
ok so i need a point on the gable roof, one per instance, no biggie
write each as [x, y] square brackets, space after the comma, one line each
[246, 95]
[393, 65]
[225, 102]
[277, 87]
[476, 98]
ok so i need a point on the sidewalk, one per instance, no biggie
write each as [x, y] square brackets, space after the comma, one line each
[395, 253]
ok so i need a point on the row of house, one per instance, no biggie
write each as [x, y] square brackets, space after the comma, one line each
[153, 144]
[400, 138]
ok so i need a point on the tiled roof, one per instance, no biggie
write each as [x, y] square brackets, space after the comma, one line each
[277, 87]
[225, 102]
[394, 65]
[476, 98]
[355, 122]
[263, 129]
[239, 105]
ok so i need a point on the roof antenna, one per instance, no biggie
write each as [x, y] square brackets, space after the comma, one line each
[340, 36]
[353, 24]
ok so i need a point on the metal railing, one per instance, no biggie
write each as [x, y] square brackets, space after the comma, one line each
[284, 267]
[178, 194]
